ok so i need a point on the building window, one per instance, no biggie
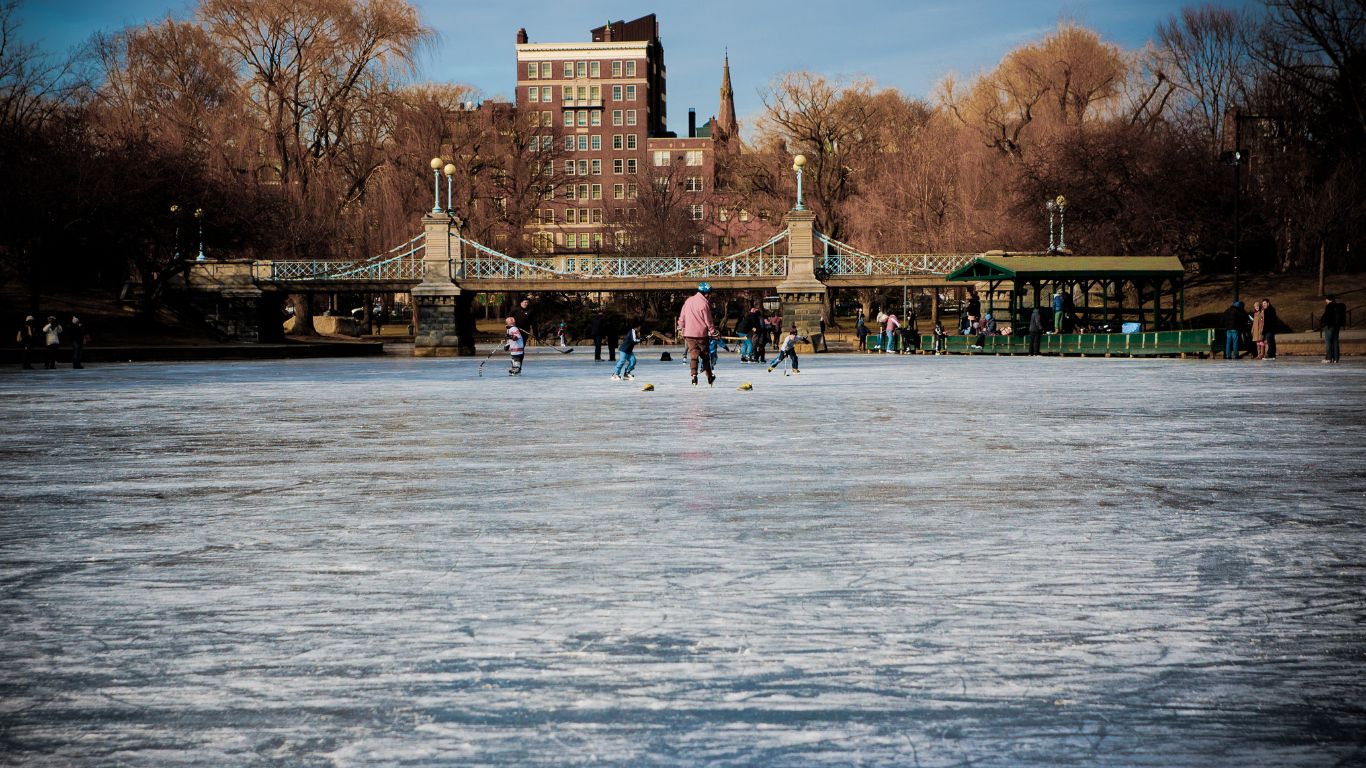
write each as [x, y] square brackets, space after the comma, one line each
[594, 69]
[618, 166]
[630, 117]
[532, 70]
[545, 93]
[595, 94]
[630, 69]
[694, 157]
[630, 93]
[547, 119]
[597, 191]
[535, 122]
[545, 70]
[582, 68]
[583, 191]
[661, 157]
[569, 143]
[632, 192]
[548, 168]
[631, 165]
[595, 142]
[618, 191]
[693, 184]
[583, 93]
[617, 142]
[583, 143]
[583, 167]
[596, 166]
[533, 93]
[569, 70]
[661, 183]
[583, 117]
[595, 117]
[616, 93]
[630, 141]
[744, 215]
[569, 167]
[567, 94]
[571, 216]
[569, 118]
[597, 216]
[616, 69]
[695, 212]
[723, 215]
[616, 117]
[569, 191]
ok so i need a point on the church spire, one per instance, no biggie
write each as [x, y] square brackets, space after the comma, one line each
[726, 127]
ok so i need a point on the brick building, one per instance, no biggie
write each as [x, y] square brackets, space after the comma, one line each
[607, 98]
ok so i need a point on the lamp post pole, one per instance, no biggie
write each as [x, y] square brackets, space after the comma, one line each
[175, 216]
[436, 183]
[449, 170]
[798, 163]
[199, 217]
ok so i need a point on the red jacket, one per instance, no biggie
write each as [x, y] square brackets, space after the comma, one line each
[695, 317]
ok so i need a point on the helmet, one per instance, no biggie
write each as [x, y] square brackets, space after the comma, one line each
[704, 287]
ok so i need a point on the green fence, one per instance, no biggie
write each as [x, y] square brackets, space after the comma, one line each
[1199, 341]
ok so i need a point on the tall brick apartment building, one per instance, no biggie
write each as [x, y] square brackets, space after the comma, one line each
[607, 99]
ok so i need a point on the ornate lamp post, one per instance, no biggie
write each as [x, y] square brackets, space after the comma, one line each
[1052, 208]
[449, 170]
[798, 163]
[175, 216]
[1061, 203]
[199, 217]
[436, 183]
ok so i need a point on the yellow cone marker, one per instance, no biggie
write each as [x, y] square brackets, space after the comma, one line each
[744, 387]
[648, 388]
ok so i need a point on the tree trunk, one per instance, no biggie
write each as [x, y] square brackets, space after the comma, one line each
[303, 314]
[1322, 276]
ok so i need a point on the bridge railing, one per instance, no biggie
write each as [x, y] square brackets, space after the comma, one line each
[401, 263]
[482, 262]
[895, 263]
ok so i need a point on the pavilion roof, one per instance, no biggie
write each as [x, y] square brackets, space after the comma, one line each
[1005, 267]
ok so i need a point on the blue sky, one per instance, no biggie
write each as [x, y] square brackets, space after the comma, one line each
[907, 45]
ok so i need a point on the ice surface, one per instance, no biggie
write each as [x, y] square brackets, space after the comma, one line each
[886, 561]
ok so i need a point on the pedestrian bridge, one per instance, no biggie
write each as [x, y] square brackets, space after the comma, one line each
[476, 266]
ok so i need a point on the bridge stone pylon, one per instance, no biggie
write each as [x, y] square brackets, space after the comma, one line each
[801, 293]
[434, 299]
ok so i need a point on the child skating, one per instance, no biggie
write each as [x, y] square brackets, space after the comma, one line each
[515, 345]
[787, 350]
[627, 364]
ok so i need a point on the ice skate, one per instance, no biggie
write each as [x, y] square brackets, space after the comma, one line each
[711, 378]
[630, 377]
[616, 377]
[694, 378]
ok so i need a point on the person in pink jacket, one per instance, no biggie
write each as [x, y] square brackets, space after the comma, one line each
[694, 322]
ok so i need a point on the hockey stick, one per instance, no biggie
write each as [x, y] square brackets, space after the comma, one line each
[486, 359]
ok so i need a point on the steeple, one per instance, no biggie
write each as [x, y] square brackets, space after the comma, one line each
[726, 127]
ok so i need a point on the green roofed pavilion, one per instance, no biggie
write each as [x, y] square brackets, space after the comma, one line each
[1145, 289]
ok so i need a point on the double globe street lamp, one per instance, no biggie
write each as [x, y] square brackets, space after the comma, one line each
[440, 166]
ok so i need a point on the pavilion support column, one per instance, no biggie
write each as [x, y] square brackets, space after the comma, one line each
[801, 294]
[434, 299]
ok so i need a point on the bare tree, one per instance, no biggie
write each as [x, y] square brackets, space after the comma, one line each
[1205, 53]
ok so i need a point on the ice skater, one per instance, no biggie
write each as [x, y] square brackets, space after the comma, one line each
[561, 334]
[788, 350]
[696, 327]
[515, 346]
[627, 364]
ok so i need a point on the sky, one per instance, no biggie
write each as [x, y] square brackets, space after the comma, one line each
[907, 45]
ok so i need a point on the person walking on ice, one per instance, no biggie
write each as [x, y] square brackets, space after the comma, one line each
[627, 364]
[787, 350]
[696, 326]
[515, 345]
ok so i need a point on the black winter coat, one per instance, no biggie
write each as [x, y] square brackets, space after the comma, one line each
[1236, 319]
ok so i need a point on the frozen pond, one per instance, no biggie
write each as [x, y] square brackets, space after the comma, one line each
[884, 561]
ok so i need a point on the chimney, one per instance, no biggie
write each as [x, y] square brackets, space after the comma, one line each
[692, 123]
[521, 36]
[607, 34]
